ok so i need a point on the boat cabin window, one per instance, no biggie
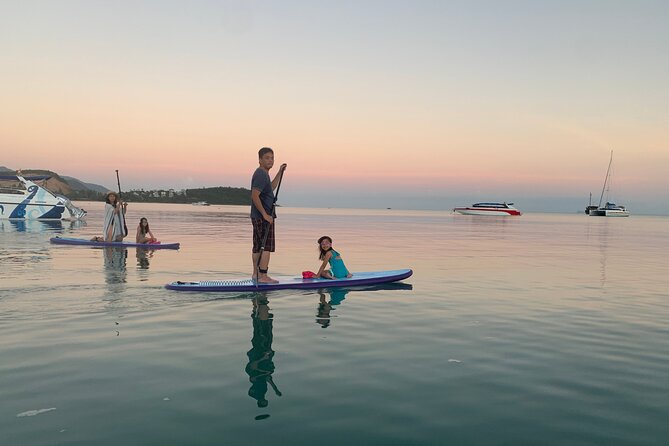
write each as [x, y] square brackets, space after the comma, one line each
[12, 187]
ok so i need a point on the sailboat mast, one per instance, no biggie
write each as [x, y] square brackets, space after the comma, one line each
[606, 180]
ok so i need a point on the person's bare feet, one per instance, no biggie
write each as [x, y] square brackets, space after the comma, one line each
[266, 279]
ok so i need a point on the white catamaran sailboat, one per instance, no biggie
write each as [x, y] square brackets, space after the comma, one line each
[609, 209]
[24, 199]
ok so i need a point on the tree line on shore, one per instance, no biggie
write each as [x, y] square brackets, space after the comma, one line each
[211, 195]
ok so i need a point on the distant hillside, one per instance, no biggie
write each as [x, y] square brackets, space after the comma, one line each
[77, 185]
[70, 187]
[55, 183]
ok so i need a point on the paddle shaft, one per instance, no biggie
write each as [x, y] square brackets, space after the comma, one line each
[271, 383]
[267, 225]
[118, 181]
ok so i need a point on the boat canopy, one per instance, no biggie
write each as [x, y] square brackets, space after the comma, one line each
[29, 178]
[491, 205]
[610, 205]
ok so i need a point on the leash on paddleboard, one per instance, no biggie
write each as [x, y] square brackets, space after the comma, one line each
[282, 169]
[120, 203]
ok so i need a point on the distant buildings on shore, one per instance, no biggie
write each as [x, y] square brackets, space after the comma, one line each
[158, 193]
[212, 195]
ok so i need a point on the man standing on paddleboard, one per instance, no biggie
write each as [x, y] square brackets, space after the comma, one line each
[263, 203]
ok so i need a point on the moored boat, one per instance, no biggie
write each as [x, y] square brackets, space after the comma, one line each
[502, 209]
[590, 206]
[609, 209]
[22, 198]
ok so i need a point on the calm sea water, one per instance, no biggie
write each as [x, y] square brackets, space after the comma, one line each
[543, 329]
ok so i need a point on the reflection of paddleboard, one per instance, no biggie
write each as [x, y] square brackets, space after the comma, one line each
[358, 279]
[84, 242]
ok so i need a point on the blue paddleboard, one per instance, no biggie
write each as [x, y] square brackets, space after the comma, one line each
[84, 242]
[286, 283]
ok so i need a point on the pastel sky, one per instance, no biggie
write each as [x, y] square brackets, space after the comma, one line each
[371, 103]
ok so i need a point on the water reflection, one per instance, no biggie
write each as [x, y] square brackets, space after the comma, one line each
[31, 225]
[23, 225]
[486, 226]
[115, 260]
[334, 297]
[143, 257]
[17, 258]
[76, 224]
[261, 356]
[328, 298]
[260, 366]
[603, 245]
[21, 250]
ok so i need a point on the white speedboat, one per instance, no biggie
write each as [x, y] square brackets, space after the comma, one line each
[22, 198]
[502, 209]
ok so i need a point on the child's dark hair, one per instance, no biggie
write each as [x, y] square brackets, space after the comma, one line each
[320, 249]
[141, 228]
[263, 151]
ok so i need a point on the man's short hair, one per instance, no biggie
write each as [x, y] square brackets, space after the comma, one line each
[265, 150]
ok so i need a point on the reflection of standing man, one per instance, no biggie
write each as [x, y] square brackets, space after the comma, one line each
[261, 366]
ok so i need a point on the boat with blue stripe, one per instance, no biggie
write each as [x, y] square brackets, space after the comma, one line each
[22, 198]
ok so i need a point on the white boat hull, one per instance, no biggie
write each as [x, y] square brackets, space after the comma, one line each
[31, 211]
[609, 213]
[483, 212]
[36, 203]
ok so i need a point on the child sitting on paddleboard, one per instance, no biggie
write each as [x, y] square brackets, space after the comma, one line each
[144, 234]
[328, 255]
